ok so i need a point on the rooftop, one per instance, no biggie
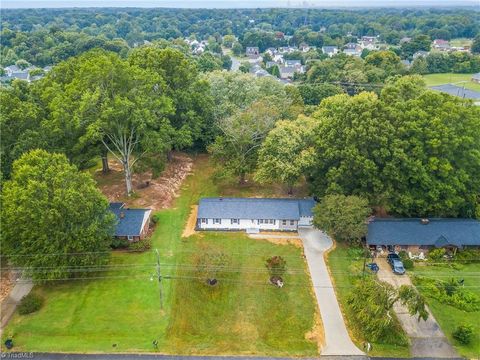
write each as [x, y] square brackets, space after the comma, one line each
[436, 232]
[130, 222]
[255, 208]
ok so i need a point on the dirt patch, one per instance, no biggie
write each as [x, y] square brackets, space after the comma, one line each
[160, 192]
[277, 241]
[317, 334]
[6, 284]
[192, 221]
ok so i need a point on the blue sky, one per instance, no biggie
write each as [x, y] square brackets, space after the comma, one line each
[233, 3]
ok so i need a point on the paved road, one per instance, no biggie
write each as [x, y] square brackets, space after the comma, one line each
[337, 340]
[426, 336]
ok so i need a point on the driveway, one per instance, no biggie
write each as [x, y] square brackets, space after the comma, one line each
[9, 304]
[337, 340]
[427, 338]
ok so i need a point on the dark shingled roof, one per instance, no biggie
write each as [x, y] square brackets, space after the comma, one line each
[438, 232]
[131, 223]
[254, 208]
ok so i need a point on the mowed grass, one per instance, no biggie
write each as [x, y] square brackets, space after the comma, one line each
[451, 78]
[450, 317]
[345, 268]
[242, 314]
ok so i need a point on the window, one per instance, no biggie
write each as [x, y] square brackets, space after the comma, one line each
[130, 238]
[204, 221]
[271, 221]
[260, 221]
[284, 222]
[235, 221]
[292, 222]
[217, 221]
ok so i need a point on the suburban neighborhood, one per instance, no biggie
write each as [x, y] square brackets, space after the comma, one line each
[276, 182]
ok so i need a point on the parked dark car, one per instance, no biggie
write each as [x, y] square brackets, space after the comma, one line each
[396, 263]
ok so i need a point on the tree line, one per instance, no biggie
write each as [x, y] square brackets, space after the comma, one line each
[48, 36]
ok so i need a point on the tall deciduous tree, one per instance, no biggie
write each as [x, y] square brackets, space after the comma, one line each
[51, 212]
[102, 99]
[413, 150]
[241, 136]
[287, 152]
[342, 217]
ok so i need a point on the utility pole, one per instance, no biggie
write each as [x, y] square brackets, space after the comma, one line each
[159, 277]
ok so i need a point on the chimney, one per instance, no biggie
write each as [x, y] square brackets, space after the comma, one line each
[424, 221]
[122, 215]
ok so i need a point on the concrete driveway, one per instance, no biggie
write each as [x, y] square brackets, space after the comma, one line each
[427, 338]
[337, 340]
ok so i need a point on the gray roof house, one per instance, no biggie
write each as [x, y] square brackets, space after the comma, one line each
[330, 50]
[426, 233]
[132, 224]
[476, 78]
[254, 213]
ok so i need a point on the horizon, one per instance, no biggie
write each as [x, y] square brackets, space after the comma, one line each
[229, 4]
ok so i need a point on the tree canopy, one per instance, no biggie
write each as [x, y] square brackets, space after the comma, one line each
[50, 212]
[412, 150]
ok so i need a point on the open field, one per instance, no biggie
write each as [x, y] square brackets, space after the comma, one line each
[451, 78]
[242, 314]
[345, 267]
[449, 317]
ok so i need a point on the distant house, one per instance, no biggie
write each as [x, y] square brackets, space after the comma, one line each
[293, 63]
[352, 49]
[254, 214]
[270, 64]
[419, 54]
[441, 45]
[330, 50]
[405, 40]
[476, 78]
[252, 51]
[132, 224]
[458, 91]
[412, 234]
[13, 72]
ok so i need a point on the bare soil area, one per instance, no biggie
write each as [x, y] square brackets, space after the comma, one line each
[192, 221]
[6, 284]
[160, 191]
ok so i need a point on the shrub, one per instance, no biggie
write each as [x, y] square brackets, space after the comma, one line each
[463, 334]
[467, 256]
[119, 243]
[408, 264]
[276, 265]
[142, 245]
[156, 218]
[449, 292]
[29, 304]
[436, 254]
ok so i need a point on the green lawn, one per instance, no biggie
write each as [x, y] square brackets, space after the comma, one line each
[243, 314]
[345, 269]
[450, 317]
[461, 42]
[451, 78]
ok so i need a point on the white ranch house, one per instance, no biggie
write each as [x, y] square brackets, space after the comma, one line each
[254, 214]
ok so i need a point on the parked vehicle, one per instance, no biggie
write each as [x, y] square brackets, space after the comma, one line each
[396, 263]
